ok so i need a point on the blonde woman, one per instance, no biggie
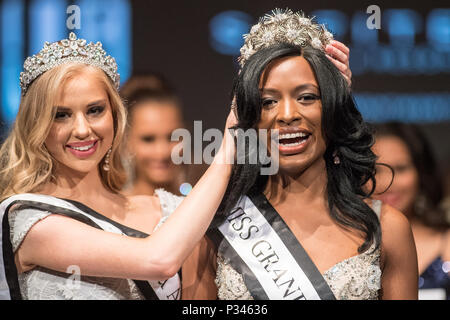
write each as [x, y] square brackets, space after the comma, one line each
[67, 231]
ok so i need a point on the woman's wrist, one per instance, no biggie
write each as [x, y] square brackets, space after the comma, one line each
[226, 154]
[223, 162]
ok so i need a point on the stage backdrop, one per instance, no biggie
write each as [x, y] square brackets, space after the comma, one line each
[401, 70]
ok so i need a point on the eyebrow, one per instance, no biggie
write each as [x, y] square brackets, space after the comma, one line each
[298, 88]
[102, 101]
[97, 102]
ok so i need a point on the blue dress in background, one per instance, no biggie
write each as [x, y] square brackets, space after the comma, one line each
[436, 276]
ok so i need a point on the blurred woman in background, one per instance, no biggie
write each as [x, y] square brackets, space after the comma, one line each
[417, 191]
[154, 112]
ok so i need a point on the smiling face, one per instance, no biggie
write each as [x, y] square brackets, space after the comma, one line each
[152, 124]
[291, 103]
[83, 128]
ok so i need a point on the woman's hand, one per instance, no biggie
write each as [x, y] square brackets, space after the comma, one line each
[339, 54]
[227, 150]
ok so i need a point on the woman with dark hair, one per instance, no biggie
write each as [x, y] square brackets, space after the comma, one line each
[311, 230]
[154, 112]
[417, 191]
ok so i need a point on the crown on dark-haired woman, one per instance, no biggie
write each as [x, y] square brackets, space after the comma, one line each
[284, 26]
[64, 51]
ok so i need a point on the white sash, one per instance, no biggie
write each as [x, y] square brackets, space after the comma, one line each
[167, 290]
[266, 255]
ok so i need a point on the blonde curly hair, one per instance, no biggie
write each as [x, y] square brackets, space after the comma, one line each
[25, 163]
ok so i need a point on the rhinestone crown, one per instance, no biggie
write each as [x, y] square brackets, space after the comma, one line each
[284, 26]
[64, 51]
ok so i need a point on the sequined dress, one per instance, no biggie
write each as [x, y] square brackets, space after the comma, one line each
[355, 278]
[434, 282]
[437, 278]
[45, 284]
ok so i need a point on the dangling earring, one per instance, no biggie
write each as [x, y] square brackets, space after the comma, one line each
[336, 159]
[106, 164]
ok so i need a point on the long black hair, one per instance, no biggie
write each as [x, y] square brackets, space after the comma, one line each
[431, 192]
[345, 132]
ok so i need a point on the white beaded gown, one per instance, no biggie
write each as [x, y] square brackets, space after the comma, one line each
[355, 278]
[45, 284]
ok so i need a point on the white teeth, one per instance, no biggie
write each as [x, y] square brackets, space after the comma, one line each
[83, 148]
[292, 144]
[292, 135]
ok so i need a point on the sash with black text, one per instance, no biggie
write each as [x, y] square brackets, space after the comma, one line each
[9, 286]
[260, 246]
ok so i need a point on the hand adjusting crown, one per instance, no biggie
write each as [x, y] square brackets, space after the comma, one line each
[65, 51]
[284, 26]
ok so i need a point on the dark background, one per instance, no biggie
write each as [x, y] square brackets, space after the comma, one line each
[173, 38]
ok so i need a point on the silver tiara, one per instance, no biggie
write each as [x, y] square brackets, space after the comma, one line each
[64, 51]
[284, 26]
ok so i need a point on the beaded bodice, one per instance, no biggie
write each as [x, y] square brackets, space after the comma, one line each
[44, 284]
[355, 278]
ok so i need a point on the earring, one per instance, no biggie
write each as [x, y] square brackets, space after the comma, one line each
[336, 159]
[106, 164]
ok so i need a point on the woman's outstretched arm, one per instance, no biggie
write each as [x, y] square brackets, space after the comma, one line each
[58, 242]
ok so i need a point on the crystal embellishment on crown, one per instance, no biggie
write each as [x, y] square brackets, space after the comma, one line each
[64, 51]
[284, 26]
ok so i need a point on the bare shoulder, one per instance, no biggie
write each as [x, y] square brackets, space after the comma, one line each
[393, 220]
[398, 256]
[396, 231]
